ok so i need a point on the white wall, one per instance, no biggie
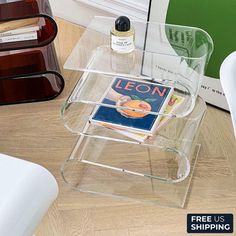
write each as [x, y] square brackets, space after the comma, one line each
[132, 8]
[76, 12]
[82, 11]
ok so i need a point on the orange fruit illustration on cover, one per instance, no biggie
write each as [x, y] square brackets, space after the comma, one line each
[137, 103]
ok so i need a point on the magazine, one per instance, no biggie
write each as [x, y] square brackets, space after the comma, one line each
[127, 104]
[173, 104]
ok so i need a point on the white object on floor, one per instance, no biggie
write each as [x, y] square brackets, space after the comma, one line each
[228, 81]
[26, 192]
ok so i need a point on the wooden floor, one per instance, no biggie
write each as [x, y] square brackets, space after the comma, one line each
[34, 132]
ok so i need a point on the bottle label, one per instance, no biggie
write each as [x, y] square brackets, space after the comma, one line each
[122, 44]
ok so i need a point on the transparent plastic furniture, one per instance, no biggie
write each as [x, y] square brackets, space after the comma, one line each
[160, 169]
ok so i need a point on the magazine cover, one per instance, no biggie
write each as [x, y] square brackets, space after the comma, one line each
[173, 105]
[135, 95]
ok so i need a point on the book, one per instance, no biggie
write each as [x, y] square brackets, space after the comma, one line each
[132, 102]
[22, 30]
[173, 105]
[19, 37]
[15, 24]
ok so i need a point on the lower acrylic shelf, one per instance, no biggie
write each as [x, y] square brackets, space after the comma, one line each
[167, 164]
[158, 170]
[91, 177]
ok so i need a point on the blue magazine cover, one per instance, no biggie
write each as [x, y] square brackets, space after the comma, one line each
[135, 95]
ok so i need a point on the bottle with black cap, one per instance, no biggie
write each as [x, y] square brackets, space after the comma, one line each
[122, 36]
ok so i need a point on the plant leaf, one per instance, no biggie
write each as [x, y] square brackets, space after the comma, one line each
[134, 97]
[150, 100]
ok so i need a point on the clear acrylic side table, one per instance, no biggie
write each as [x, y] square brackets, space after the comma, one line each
[160, 169]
